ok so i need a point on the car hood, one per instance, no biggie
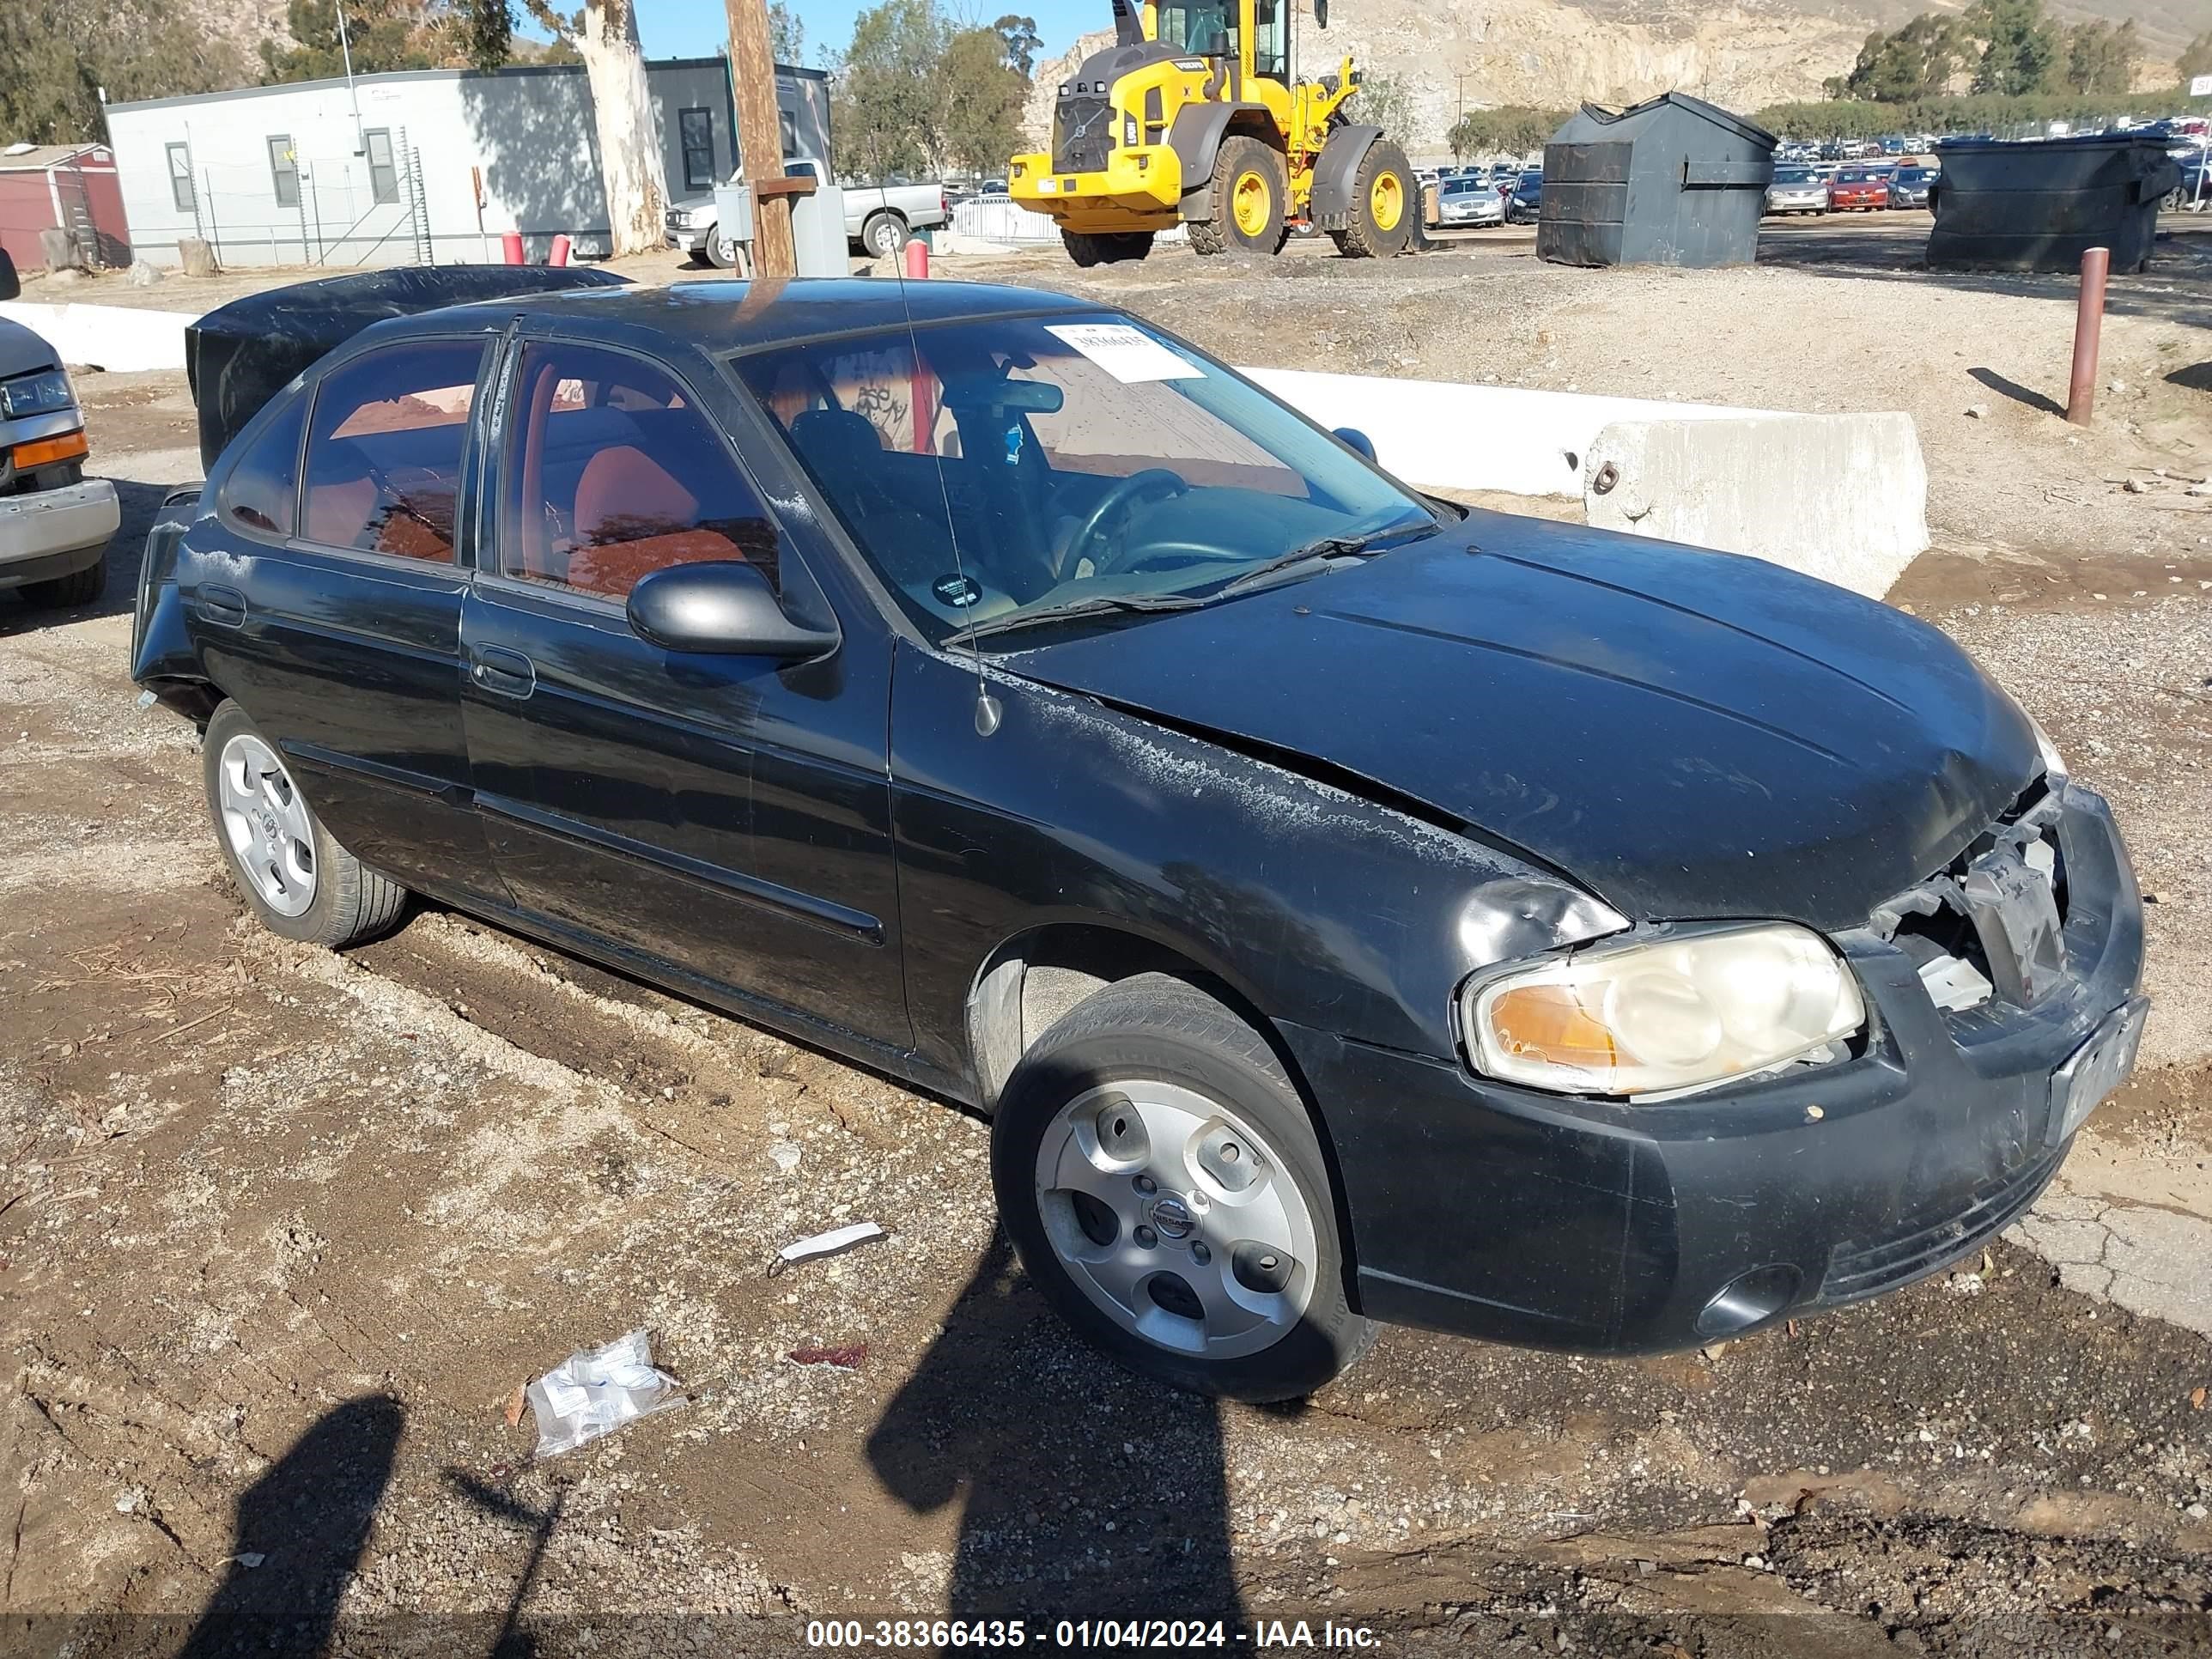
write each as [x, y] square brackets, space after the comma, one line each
[1689, 734]
[20, 351]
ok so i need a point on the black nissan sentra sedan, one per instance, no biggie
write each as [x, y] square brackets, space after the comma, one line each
[1348, 907]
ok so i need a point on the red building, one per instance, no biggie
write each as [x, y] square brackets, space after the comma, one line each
[69, 187]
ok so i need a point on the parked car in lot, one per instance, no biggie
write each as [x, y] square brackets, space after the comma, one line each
[1347, 906]
[1794, 190]
[55, 522]
[879, 220]
[1912, 186]
[1468, 202]
[1855, 189]
[1524, 204]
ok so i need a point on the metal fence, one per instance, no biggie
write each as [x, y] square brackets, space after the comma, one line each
[342, 210]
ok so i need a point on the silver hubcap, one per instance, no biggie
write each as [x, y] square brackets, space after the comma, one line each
[1178, 1221]
[266, 822]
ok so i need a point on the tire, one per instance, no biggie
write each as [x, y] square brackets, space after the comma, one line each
[1190, 1071]
[1088, 248]
[1250, 196]
[883, 234]
[1373, 234]
[345, 901]
[78, 587]
[724, 255]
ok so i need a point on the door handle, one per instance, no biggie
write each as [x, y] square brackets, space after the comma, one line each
[507, 673]
[223, 606]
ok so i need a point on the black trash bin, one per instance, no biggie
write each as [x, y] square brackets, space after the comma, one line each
[2036, 205]
[1671, 181]
[239, 356]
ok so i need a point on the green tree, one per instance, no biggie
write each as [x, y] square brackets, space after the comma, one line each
[1916, 60]
[2196, 59]
[889, 105]
[981, 122]
[55, 55]
[1021, 43]
[1512, 129]
[1385, 102]
[2099, 58]
[485, 29]
[384, 34]
[2020, 47]
[786, 34]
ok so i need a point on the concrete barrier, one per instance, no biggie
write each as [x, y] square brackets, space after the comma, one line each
[118, 338]
[1443, 435]
[1843, 497]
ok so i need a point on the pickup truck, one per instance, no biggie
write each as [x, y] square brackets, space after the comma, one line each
[54, 522]
[879, 220]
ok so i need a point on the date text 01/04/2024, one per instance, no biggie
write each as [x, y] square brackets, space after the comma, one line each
[856, 1634]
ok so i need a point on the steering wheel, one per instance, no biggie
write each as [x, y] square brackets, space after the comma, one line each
[1086, 543]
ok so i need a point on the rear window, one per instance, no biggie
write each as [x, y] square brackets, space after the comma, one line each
[383, 450]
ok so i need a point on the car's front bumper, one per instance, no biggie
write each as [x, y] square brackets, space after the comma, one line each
[46, 533]
[687, 240]
[1498, 1212]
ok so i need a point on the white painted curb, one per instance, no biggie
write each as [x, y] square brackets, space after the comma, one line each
[118, 338]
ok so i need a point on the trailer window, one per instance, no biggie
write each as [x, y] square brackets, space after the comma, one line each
[696, 128]
[283, 170]
[383, 176]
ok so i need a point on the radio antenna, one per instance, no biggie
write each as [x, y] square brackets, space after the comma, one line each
[988, 710]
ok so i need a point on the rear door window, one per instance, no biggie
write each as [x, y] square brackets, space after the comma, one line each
[613, 473]
[384, 449]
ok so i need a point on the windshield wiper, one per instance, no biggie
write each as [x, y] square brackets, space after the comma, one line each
[1321, 554]
[1098, 605]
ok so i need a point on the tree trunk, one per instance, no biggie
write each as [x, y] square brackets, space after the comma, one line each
[621, 109]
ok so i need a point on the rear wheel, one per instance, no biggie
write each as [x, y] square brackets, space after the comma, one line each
[78, 587]
[1250, 200]
[726, 254]
[296, 879]
[1091, 247]
[1381, 205]
[1158, 1175]
[883, 234]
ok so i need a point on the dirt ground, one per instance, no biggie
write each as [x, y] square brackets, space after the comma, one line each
[283, 1231]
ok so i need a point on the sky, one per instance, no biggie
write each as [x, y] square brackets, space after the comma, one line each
[688, 28]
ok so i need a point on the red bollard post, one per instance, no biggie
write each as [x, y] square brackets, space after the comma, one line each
[2088, 326]
[510, 248]
[917, 259]
[559, 256]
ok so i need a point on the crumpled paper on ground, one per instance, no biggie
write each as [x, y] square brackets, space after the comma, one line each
[589, 1394]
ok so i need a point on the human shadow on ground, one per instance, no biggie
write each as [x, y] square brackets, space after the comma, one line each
[1085, 1493]
[299, 1534]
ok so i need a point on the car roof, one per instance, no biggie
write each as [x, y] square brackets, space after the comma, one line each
[722, 314]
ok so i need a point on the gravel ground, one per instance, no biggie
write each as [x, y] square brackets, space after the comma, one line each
[283, 1231]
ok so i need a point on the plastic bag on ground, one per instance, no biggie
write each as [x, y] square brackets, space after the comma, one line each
[595, 1392]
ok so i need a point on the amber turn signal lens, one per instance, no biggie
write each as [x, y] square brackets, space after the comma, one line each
[45, 452]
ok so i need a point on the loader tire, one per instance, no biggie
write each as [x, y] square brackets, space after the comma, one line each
[1250, 198]
[1105, 247]
[1384, 205]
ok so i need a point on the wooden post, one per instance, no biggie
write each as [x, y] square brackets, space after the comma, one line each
[760, 138]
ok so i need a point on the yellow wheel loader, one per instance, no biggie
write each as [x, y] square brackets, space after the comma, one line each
[1192, 117]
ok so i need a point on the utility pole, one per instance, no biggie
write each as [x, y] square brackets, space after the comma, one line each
[1460, 79]
[760, 139]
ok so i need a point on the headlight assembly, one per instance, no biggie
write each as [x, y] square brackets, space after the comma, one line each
[1662, 1016]
[42, 393]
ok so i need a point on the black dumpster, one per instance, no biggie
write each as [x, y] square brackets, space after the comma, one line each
[2036, 205]
[239, 356]
[1672, 181]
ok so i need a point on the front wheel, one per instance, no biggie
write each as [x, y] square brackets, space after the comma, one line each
[78, 587]
[1250, 200]
[295, 879]
[727, 253]
[1088, 248]
[1160, 1179]
[1381, 205]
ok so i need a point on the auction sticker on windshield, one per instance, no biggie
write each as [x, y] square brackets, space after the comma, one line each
[1126, 353]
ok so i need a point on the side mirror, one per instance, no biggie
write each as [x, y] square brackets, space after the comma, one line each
[724, 608]
[10, 283]
[1321, 14]
[1353, 438]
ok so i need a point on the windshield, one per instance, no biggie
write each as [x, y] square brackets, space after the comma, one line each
[1792, 176]
[1465, 187]
[1082, 460]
